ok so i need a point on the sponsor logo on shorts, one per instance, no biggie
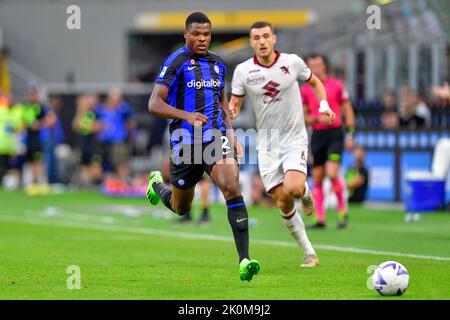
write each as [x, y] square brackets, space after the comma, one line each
[181, 182]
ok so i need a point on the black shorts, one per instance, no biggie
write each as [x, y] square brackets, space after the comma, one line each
[34, 152]
[89, 150]
[5, 165]
[327, 145]
[189, 162]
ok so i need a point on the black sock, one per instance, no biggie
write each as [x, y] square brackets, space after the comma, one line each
[165, 193]
[205, 212]
[238, 219]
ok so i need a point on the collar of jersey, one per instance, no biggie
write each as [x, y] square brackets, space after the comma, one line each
[277, 56]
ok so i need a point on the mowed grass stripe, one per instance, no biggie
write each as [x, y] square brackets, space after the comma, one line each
[197, 236]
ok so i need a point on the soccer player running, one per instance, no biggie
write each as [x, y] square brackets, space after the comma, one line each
[270, 80]
[190, 91]
[327, 140]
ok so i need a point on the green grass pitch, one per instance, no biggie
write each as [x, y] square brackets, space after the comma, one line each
[126, 249]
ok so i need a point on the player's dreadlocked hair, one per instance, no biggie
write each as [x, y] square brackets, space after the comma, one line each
[197, 17]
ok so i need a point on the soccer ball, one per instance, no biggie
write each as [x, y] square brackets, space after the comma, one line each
[390, 279]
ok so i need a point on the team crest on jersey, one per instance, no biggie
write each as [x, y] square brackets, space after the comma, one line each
[192, 61]
[285, 70]
[216, 68]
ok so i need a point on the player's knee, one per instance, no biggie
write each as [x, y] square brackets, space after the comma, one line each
[296, 191]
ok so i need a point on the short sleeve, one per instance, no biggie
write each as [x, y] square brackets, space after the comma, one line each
[169, 69]
[238, 83]
[303, 72]
[167, 74]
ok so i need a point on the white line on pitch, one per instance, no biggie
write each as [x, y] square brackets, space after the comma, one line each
[198, 236]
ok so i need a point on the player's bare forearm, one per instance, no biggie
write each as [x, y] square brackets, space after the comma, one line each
[318, 87]
[158, 106]
[235, 105]
[349, 115]
[309, 119]
[224, 106]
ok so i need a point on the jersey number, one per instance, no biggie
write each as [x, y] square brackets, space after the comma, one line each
[225, 147]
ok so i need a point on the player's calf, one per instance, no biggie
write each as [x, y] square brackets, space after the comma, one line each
[181, 209]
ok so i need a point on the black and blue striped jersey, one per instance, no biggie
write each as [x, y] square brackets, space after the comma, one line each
[195, 84]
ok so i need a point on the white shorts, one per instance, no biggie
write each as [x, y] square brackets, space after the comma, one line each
[274, 165]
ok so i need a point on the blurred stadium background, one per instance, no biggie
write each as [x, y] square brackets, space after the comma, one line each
[121, 45]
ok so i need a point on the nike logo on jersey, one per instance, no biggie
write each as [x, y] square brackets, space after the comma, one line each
[191, 68]
[240, 220]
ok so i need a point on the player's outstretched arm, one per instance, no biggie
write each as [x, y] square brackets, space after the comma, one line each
[158, 106]
[235, 105]
[321, 94]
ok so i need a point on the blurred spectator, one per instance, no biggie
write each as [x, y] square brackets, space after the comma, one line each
[52, 135]
[34, 113]
[442, 92]
[414, 113]
[389, 117]
[9, 125]
[357, 177]
[116, 123]
[86, 126]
